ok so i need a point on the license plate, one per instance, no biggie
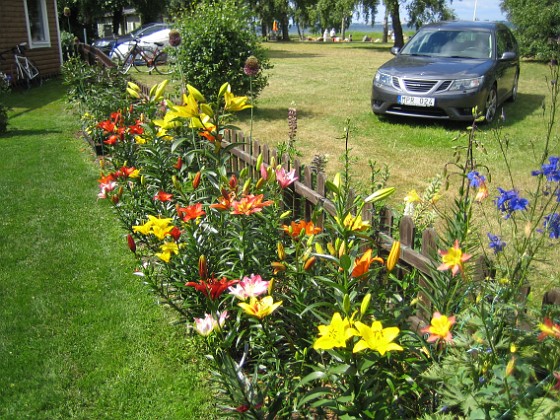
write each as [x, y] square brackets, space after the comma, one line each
[416, 101]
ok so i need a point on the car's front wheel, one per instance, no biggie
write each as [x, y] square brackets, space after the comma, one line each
[491, 105]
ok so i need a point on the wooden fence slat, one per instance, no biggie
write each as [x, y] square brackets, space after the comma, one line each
[406, 230]
[246, 156]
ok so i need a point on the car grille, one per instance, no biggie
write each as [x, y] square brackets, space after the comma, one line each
[420, 85]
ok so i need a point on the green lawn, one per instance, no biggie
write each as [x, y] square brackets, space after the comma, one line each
[80, 336]
[330, 83]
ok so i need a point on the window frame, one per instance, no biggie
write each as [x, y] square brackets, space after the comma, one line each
[45, 18]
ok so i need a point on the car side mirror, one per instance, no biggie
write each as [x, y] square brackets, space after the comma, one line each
[395, 50]
[508, 55]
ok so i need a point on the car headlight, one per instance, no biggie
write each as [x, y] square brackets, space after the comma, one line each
[467, 84]
[382, 79]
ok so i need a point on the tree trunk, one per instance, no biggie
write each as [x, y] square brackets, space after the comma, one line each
[385, 26]
[397, 27]
[117, 20]
[285, 28]
[343, 29]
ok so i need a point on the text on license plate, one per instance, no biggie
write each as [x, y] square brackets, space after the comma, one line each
[416, 101]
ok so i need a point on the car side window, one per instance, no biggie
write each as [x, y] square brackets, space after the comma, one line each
[501, 43]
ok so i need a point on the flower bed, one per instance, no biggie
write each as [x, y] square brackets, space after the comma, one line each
[305, 316]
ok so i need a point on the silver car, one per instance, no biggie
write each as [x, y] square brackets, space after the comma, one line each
[446, 70]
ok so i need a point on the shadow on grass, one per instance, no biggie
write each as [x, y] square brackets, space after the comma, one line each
[514, 112]
[23, 101]
[281, 54]
[270, 114]
[14, 132]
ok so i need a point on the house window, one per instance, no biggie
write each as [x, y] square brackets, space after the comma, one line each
[37, 23]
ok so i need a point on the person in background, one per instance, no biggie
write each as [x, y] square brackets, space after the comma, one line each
[326, 35]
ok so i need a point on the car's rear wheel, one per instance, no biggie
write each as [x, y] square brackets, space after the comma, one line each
[491, 105]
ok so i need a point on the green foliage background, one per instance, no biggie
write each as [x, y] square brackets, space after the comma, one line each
[217, 38]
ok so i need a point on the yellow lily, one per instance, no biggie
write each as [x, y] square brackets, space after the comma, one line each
[235, 103]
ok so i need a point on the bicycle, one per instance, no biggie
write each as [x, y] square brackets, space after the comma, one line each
[23, 69]
[144, 60]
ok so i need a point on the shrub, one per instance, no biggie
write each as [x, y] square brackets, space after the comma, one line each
[217, 39]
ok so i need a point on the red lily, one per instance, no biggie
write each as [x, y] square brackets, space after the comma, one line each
[212, 287]
[191, 212]
[163, 196]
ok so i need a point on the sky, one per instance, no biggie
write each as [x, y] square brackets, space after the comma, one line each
[464, 9]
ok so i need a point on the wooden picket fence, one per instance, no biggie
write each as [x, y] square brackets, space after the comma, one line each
[310, 191]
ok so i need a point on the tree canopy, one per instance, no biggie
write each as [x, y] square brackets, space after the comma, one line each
[537, 26]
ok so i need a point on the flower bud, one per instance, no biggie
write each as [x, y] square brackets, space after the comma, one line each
[202, 267]
[394, 255]
[174, 38]
[252, 66]
[309, 263]
[196, 180]
[380, 195]
[346, 304]
[281, 251]
[278, 266]
[365, 304]
[131, 243]
[246, 186]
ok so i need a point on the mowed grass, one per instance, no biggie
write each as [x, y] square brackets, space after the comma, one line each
[80, 336]
[330, 84]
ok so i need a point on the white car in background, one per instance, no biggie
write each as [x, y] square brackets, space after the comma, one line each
[147, 41]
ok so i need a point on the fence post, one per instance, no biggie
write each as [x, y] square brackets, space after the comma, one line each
[428, 249]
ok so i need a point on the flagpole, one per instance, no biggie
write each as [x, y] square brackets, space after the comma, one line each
[474, 14]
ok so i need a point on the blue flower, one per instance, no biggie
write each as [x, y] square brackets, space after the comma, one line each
[550, 170]
[509, 201]
[476, 180]
[496, 243]
[552, 225]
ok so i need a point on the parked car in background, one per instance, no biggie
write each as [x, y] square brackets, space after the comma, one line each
[146, 39]
[448, 68]
[106, 44]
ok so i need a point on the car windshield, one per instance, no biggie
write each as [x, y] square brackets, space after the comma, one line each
[147, 30]
[453, 44]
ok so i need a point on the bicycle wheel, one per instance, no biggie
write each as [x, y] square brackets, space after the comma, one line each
[117, 58]
[18, 77]
[165, 63]
[125, 67]
[143, 62]
[32, 73]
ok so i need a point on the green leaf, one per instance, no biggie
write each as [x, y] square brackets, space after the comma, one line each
[345, 262]
[312, 377]
[314, 394]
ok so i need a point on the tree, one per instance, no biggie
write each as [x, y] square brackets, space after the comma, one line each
[86, 12]
[537, 26]
[419, 12]
[216, 42]
[338, 14]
